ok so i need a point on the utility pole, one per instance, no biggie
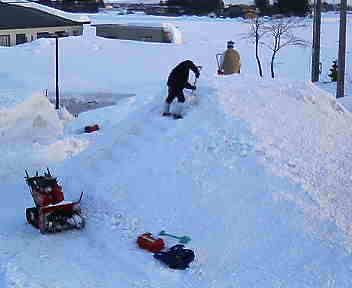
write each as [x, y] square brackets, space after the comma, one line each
[340, 91]
[57, 106]
[316, 41]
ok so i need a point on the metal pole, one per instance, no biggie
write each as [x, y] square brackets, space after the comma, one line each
[340, 91]
[316, 41]
[57, 106]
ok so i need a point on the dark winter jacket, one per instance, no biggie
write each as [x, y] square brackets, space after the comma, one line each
[178, 77]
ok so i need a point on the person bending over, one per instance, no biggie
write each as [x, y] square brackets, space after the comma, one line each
[177, 81]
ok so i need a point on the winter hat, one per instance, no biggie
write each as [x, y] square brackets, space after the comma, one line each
[230, 44]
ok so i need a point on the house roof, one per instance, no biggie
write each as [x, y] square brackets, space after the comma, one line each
[19, 17]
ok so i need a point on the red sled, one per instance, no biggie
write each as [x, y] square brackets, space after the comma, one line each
[92, 128]
[148, 242]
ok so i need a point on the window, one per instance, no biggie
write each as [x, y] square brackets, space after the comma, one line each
[21, 38]
[61, 33]
[4, 40]
[42, 35]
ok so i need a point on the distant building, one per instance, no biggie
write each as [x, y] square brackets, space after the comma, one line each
[203, 7]
[147, 32]
[240, 10]
[82, 6]
[20, 24]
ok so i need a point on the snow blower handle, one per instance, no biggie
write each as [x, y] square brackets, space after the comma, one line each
[80, 197]
[219, 58]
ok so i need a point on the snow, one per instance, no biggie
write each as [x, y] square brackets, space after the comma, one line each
[34, 120]
[176, 35]
[257, 173]
[317, 124]
[346, 102]
[32, 132]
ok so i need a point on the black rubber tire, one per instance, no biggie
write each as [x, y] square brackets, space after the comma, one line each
[32, 216]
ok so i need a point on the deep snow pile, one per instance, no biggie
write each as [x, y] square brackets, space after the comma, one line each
[31, 134]
[256, 173]
[176, 36]
[204, 176]
[34, 120]
[309, 143]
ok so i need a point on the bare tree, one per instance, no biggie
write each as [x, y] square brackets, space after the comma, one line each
[282, 36]
[256, 33]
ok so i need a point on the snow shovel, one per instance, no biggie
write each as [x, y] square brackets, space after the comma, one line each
[181, 239]
[194, 84]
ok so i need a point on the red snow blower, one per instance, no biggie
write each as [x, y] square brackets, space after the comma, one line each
[51, 213]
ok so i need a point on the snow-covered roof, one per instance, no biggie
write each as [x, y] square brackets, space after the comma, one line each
[136, 24]
[13, 15]
[140, 24]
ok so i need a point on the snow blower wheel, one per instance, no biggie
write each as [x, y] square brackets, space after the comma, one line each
[32, 216]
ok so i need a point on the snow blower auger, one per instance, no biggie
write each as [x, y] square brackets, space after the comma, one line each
[51, 213]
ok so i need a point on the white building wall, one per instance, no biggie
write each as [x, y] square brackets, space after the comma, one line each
[31, 33]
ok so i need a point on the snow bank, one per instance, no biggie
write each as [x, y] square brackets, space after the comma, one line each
[346, 102]
[303, 134]
[32, 135]
[34, 120]
[176, 36]
[61, 149]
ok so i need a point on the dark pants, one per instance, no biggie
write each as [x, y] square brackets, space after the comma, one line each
[175, 92]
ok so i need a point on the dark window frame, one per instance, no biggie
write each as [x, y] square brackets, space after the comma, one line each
[21, 38]
[42, 35]
[8, 42]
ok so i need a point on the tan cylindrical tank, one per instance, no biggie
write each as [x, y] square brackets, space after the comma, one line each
[231, 60]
